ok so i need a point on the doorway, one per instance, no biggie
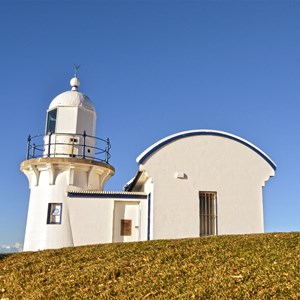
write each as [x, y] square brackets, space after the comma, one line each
[126, 222]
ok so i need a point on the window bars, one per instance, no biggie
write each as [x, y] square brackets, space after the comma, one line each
[207, 211]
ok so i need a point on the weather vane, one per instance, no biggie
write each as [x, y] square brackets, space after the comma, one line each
[76, 67]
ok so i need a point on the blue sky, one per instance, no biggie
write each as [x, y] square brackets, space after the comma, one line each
[154, 68]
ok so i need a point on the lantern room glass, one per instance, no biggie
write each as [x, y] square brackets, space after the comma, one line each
[51, 121]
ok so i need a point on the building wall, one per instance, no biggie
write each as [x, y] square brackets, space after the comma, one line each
[92, 219]
[40, 235]
[209, 163]
[49, 181]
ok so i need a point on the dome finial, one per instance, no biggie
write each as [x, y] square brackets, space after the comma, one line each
[76, 67]
[75, 81]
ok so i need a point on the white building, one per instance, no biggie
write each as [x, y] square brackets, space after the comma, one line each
[203, 182]
[190, 184]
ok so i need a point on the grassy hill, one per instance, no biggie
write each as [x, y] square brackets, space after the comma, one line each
[261, 266]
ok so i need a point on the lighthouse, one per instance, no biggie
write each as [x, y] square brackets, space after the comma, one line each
[68, 156]
[193, 183]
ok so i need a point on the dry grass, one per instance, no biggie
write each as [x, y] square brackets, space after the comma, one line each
[263, 266]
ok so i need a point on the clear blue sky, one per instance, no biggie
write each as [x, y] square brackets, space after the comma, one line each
[154, 68]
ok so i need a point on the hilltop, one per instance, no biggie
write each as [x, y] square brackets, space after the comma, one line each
[260, 266]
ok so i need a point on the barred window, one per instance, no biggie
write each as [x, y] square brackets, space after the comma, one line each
[207, 211]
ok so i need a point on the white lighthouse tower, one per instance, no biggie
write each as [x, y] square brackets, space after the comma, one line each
[68, 156]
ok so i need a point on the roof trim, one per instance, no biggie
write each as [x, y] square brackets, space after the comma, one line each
[105, 194]
[150, 150]
[132, 182]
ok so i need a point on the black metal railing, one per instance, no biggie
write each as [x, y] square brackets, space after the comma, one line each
[68, 145]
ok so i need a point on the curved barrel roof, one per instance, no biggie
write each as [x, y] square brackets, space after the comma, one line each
[143, 156]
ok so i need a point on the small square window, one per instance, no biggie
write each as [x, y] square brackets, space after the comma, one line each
[54, 213]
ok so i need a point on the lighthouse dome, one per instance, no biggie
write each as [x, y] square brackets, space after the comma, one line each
[72, 98]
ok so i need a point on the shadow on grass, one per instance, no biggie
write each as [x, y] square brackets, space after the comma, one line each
[3, 255]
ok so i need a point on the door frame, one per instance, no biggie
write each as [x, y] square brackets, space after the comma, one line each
[134, 226]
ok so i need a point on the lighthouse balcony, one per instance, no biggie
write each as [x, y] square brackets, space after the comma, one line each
[68, 145]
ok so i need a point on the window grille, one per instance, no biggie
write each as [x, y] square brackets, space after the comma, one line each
[207, 211]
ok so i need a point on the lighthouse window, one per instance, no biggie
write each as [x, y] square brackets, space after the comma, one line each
[51, 121]
[54, 213]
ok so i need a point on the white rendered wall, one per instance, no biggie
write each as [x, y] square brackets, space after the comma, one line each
[148, 189]
[74, 121]
[86, 121]
[40, 235]
[61, 168]
[49, 180]
[66, 120]
[92, 219]
[213, 164]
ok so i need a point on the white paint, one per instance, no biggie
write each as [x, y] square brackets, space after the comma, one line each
[91, 220]
[171, 173]
[51, 177]
[75, 115]
[56, 176]
[211, 163]
[74, 82]
[97, 220]
[179, 175]
[73, 99]
[127, 211]
[139, 158]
